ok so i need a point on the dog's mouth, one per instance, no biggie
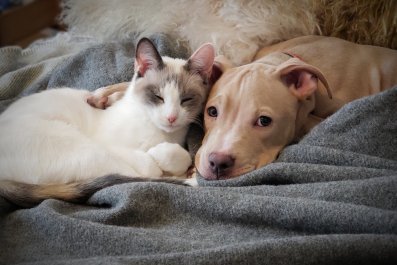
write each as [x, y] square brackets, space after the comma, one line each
[226, 174]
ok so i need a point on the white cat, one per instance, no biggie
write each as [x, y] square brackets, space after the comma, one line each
[55, 137]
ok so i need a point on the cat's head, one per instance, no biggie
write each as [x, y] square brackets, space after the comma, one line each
[173, 91]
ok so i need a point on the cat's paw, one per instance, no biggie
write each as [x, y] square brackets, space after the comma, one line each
[171, 158]
[147, 167]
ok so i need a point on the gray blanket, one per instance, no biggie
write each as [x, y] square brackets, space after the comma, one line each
[330, 199]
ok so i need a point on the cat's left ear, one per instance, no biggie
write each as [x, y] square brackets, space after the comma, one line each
[147, 57]
[202, 61]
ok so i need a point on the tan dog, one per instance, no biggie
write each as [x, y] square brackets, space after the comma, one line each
[255, 110]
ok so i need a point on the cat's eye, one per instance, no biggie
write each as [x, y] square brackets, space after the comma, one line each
[263, 121]
[212, 111]
[159, 98]
[184, 100]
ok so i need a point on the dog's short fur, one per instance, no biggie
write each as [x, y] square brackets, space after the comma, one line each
[255, 110]
[240, 137]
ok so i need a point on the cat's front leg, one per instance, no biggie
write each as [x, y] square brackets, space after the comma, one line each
[173, 159]
[140, 161]
[104, 97]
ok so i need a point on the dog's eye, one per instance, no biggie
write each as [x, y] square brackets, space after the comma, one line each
[263, 121]
[212, 111]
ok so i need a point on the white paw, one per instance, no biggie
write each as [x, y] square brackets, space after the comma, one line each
[148, 167]
[191, 182]
[171, 158]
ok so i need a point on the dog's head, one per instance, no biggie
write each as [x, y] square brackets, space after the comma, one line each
[252, 113]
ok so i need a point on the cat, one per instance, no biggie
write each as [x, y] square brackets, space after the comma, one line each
[53, 144]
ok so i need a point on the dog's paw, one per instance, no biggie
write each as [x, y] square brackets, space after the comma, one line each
[171, 158]
[98, 98]
[191, 182]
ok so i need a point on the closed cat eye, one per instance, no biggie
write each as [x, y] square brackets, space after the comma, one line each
[159, 98]
[184, 100]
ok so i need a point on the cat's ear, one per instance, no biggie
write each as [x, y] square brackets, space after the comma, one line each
[202, 61]
[147, 57]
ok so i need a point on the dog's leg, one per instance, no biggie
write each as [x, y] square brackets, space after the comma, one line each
[310, 122]
[105, 96]
[192, 181]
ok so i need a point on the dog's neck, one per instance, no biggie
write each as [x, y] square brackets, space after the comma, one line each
[305, 120]
[274, 59]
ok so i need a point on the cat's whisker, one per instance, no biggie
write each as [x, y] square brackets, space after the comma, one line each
[197, 121]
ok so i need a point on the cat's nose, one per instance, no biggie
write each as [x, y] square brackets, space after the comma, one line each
[171, 118]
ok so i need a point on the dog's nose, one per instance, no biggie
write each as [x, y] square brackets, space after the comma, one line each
[220, 163]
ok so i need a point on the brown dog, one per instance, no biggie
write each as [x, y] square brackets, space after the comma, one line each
[255, 110]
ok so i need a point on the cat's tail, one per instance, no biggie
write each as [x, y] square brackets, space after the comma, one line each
[29, 195]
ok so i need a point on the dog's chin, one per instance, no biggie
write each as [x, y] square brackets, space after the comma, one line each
[229, 174]
[210, 176]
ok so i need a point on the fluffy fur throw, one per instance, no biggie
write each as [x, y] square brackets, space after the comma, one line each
[236, 27]
[361, 21]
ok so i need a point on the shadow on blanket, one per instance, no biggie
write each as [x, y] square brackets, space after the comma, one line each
[330, 199]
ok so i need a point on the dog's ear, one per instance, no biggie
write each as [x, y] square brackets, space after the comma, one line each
[202, 61]
[301, 78]
[147, 57]
[216, 73]
[223, 63]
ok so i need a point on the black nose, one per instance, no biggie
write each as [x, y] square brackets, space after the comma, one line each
[220, 163]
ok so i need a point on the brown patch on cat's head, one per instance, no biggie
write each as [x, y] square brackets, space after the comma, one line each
[191, 87]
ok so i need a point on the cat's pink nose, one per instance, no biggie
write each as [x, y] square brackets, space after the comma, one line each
[171, 118]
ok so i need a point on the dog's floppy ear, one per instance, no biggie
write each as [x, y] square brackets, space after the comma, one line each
[216, 73]
[301, 78]
[147, 57]
[221, 63]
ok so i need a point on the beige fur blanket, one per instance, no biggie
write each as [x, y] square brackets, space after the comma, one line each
[237, 28]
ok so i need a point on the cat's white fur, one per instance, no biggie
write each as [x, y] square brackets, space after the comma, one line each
[56, 137]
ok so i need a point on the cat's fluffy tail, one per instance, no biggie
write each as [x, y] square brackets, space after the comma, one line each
[28, 195]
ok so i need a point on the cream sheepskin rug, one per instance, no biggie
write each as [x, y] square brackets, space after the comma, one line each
[236, 28]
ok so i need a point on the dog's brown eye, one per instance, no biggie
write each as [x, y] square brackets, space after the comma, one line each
[264, 121]
[212, 111]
